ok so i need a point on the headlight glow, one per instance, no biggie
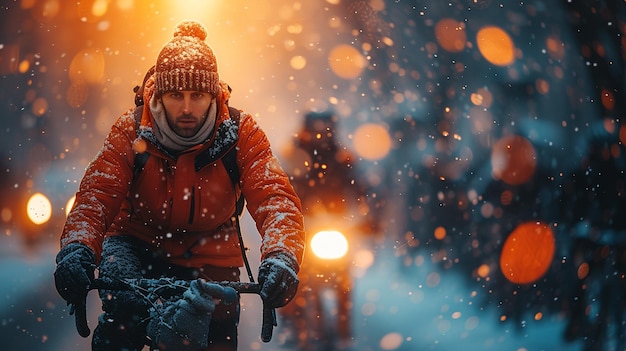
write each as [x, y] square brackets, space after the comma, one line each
[329, 244]
[39, 209]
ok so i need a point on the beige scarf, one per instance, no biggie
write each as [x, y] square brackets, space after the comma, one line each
[172, 141]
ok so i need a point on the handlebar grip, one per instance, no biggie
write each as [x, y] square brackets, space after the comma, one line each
[269, 322]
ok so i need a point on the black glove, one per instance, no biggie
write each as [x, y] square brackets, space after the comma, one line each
[74, 272]
[278, 276]
[184, 324]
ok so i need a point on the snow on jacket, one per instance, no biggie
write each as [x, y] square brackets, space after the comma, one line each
[185, 213]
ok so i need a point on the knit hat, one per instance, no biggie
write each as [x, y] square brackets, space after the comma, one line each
[187, 62]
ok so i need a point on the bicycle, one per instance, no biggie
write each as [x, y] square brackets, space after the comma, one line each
[168, 288]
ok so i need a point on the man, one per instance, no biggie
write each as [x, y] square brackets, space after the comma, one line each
[173, 216]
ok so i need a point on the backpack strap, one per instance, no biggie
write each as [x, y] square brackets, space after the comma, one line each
[227, 134]
[140, 158]
[230, 162]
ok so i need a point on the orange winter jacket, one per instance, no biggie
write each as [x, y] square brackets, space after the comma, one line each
[181, 206]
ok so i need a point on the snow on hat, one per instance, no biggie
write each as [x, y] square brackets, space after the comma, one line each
[187, 62]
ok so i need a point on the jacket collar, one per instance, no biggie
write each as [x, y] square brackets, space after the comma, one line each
[224, 133]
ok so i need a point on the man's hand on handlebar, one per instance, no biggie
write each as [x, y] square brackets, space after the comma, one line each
[278, 277]
[74, 272]
[73, 276]
[187, 320]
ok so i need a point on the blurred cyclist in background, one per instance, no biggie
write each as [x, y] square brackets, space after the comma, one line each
[323, 173]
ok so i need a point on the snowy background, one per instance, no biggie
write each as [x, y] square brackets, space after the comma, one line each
[468, 118]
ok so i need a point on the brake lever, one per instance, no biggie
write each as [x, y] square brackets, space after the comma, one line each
[79, 310]
[269, 322]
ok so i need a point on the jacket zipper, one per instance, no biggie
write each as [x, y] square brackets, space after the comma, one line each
[193, 204]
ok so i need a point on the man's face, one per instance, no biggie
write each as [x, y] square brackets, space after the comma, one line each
[186, 110]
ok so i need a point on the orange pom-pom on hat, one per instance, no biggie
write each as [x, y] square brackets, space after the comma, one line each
[187, 62]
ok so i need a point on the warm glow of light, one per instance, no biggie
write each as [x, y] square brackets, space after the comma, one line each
[40, 106]
[372, 141]
[506, 197]
[440, 233]
[543, 86]
[297, 62]
[451, 35]
[496, 46]
[583, 270]
[391, 341]
[294, 28]
[556, 48]
[483, 271]
[608, 101]
[346, 61]
[125, 5]
[329, 244]
[39, 208]
[27, 4]
[476, 99]
[24, 66]
[527, 252]
[609, 125]
[189, 8]
[363, 259]
[51, 8]
[140, 146]
[6, 215]
[513, 160]
[87, 66]
[99, 8]
[69, 205]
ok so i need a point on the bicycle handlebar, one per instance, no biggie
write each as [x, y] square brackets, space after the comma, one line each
[170, 286]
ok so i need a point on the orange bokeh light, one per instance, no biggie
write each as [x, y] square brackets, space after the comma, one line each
[372, 141]
[87, 66]
[69, 204]
[40, 106]
[496, 46]
[608, 101]
[556, 48]
[346, 61]
[583, 270]
[39, 208]
[451, 35]
[297, 62]
[527, 252]
[440, 233]
[483, 271]
[513, 160]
